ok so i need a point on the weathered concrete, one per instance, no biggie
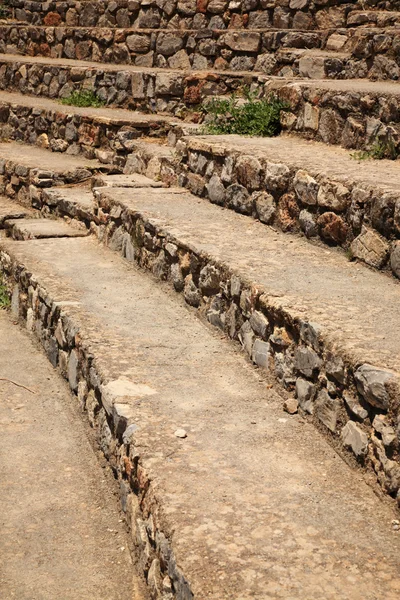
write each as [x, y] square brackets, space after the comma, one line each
[62, 533]
[248, 487]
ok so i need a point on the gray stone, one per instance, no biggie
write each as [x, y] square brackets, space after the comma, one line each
[308, 224]
[354, 406]
[73, 364]
[168, 44]
[261, 353]
[265, 206]
[312, 67]
[372, 384]
[327, 410]
[191, 292]
[311, 117]
[310, 334]
[276, 177]
[371, 248]
[239, 199]
[216, 190]
[387, 432]
[243, 41]
[335, 368]
[334, 196]
[355, 438]
[305, 393]
[306, 188]
[138, 43]
[306, 360]
[259, 323]
[395, 259]
[177, 277]
[247, 337]
[209, 280]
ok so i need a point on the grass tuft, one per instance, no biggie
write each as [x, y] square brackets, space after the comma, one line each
[379, 150]
[4, 297]
[83, 98]
[251, 116]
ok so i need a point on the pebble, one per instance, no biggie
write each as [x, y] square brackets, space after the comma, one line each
[180, 433]
[291, 406]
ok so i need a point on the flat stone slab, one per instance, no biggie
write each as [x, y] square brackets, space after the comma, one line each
[28, 229]
[307, 281]
[317, 158]
[61, 530]
[103, 114]
[251, 499]
[38, 158]
[12, 210]
[136, 180]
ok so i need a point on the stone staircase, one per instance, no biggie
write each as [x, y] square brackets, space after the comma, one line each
[288, 246]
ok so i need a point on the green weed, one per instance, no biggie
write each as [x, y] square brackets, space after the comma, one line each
[379, 150]
[4, 297]
[249, 117]
[83, 98]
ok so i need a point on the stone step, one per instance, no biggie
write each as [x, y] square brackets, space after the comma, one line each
[371, 52]
[287, 316]
[294, 185]
[211, 471]
[21, 179]
[36, 229]
[12, 210]
[103, 133]
[352, 113]
[66, 509]
[149, 89]
[298, 14]
[245, 50]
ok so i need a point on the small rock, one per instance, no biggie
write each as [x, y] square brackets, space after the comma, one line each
[291, 406]
[181, 433]
[354, 438]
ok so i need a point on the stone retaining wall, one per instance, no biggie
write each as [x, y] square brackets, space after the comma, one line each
[58, 329]
[174, 49]
[356, 404]
[63, 131]
[147, 90]
[352, 119]
[189, 14]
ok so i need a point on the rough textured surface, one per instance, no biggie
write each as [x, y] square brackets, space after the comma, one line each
[295, 185]
[231, 15]
[247, 484]
[62, 534]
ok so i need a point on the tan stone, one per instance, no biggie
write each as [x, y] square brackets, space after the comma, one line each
[371, 248]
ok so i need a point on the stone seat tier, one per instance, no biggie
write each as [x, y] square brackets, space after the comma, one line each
[294, 185]
[242, 481]
[103, 133]
[281, 310]
[368, 52]
[298, 14]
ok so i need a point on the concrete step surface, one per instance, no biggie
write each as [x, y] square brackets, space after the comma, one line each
[63, 534]
[242, 482]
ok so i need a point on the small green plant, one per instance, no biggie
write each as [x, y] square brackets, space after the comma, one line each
[4, 298]
[4, 11]
[83, 98]
[248, 116]
[379, 150]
